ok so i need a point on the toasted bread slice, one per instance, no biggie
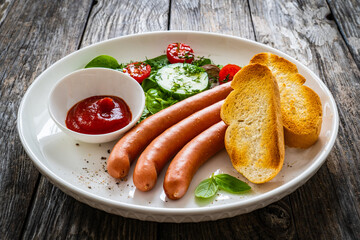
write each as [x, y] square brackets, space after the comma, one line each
[300, 106]
[254, 139]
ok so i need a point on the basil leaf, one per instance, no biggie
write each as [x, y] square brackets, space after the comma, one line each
[206, 189]
[231, 184]
[156, 100]
[103, 61]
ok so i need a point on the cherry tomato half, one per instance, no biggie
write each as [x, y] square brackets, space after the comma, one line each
[138, 70]
[179, 53]
[228, 72]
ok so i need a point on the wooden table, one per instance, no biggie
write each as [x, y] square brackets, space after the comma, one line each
[323, 35]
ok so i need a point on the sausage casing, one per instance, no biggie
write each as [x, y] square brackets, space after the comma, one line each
[194, 154]
[129, 147]
[167, 144]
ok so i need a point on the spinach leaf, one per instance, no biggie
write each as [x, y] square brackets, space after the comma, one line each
[157, 62]
[144, 114]
[201, 61]
[156, 100]
[149, 83]
[104, 61]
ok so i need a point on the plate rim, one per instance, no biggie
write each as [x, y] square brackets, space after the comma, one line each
[277, 193]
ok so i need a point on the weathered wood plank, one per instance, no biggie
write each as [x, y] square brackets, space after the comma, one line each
[55, 214]
[29, 43]
[35, 34]
[5, 6]
[113, 18]
[330, 200]
[347, 16]
[227, 17]
[274, 221]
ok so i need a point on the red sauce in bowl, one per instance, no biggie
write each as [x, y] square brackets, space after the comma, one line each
[98, 115]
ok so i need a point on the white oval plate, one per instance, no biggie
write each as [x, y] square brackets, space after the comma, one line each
[80, 169]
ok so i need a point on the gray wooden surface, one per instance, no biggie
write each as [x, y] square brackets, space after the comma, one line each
[323, 35]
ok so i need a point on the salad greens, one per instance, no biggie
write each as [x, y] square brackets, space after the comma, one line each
[156, 98]
[182, 80]
[158, 62]
[104, 61]
[201, 61]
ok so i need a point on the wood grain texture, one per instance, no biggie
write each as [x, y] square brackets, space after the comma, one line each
[62, 217]
[233, 18]
[55, 214]
[316, 42]
[5, 6]
[272, 222]
[112, 18]
[346, 14]
[34, 34]
[29, 43]
[226, 17]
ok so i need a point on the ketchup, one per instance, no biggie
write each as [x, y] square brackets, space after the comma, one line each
[98, 115]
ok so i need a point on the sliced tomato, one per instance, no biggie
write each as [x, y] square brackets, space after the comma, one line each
[179, 53]
[138, 70]
[228, 72]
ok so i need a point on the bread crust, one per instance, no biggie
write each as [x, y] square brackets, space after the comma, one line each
[300, 106]
[254, 139]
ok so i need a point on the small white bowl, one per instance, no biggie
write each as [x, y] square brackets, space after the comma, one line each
[90, 82]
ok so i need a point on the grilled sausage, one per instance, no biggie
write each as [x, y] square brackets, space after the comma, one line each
[194, 154]
[167, 144]
[129, 147]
